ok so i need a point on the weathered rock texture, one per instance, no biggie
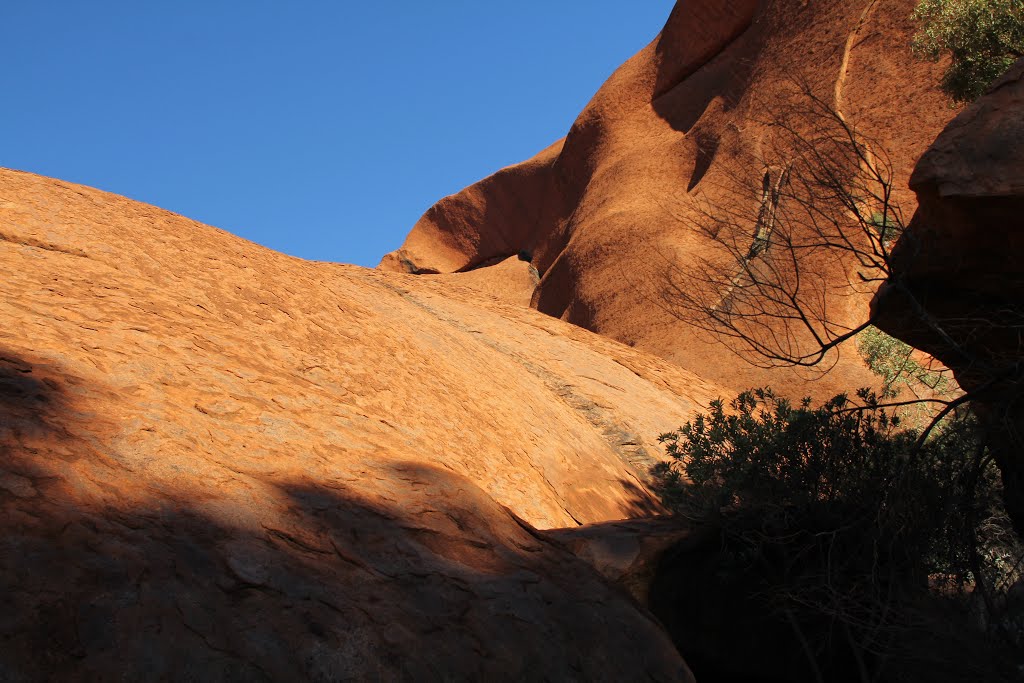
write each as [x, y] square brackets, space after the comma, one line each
[958, 286]
[605, 210]
[219, 462]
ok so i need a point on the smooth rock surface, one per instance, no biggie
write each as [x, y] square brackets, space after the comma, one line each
[221, 463]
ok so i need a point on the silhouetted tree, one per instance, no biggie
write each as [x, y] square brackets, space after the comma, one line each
[816, 229]
[797, 231]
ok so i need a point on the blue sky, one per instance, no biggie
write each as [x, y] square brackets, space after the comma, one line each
[320, 129]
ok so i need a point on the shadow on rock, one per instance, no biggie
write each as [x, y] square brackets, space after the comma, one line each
[402, 572]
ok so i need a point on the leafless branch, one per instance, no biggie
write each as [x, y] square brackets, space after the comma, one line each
[793, 230]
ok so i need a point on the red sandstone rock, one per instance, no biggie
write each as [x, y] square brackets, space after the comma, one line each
[627, 552]
[512, 279]
[220, 462]
[601, 210]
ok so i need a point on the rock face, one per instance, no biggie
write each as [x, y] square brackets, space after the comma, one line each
[219, 462]
[607, 210]
[959, 263]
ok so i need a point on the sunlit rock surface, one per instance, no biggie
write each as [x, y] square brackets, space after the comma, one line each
[607, 211]
[220, 462]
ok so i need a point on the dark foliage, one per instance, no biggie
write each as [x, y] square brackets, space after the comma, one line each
[861, 538]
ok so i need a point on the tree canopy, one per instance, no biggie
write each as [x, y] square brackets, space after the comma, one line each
[983, 37]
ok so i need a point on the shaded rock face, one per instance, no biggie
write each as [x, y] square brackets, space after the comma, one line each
[959, 261]
[627, 552]
[722, 618]
[222, 463]
[608, 209]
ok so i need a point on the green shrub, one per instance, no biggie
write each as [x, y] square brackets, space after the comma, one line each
[886, 227]
[983, 37]
[892, 360]
[839, 518]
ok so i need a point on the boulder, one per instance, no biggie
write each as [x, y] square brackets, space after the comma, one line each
[957, 282]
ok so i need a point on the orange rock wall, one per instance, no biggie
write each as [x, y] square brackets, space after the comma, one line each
[606, 210]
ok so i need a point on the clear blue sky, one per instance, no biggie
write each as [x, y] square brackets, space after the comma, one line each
[319, 128]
